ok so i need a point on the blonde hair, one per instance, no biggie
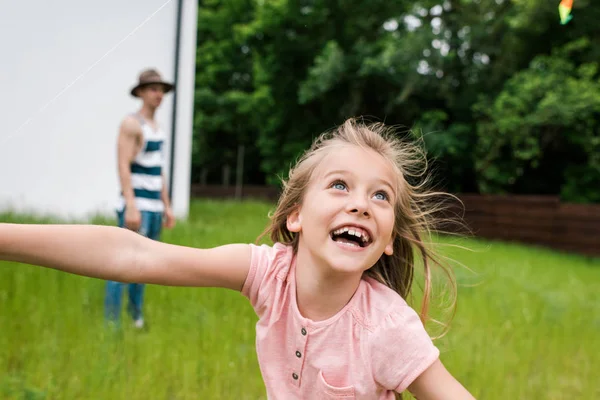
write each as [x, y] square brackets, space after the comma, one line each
[415, 207]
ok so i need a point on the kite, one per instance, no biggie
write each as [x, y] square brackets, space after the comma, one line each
[564, 10]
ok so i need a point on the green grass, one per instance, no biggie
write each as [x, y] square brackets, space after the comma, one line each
[527, 326]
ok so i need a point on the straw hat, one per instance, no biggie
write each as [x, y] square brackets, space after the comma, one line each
[149, 77]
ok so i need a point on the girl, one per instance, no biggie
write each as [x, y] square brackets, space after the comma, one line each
[330, 292]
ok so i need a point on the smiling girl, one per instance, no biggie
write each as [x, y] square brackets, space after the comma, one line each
[331, 291]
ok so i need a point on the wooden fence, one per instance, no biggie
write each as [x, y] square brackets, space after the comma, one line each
[539, 220]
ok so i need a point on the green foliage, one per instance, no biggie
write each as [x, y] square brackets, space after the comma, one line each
[306, 58]
[544, 124]
[224, 87]
[448, 147]
[497, 89]
[327, 71]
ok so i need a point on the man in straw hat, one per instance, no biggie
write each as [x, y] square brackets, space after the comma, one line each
[143, 204]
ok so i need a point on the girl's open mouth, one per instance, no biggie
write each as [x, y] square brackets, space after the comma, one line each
[351, 236]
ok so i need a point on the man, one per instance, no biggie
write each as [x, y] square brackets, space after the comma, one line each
[144, 204]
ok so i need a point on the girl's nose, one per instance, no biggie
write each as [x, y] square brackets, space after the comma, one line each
[358, 204]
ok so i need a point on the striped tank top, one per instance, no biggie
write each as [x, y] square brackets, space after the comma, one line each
[146, 170]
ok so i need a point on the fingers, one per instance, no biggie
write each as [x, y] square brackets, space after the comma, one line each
[169, 223]
[133, 224]
[133, 227]
[133, 219]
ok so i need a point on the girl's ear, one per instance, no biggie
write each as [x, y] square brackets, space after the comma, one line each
[293, 221]
[389, 248]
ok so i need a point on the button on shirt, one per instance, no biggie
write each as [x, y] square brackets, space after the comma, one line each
[374, 346]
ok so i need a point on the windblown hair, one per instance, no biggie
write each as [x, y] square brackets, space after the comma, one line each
[415, 209]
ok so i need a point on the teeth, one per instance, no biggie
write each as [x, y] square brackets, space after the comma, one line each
[354, 231]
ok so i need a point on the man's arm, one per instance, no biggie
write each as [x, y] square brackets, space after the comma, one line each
[164, 195]
[128, 145]
[169, 216]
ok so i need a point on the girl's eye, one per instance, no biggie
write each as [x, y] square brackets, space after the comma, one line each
[339, 185]
[381, 195]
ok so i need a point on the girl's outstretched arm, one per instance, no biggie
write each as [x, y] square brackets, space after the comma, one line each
[436, 383]
[121, 255]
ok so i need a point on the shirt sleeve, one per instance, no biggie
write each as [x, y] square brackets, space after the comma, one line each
[269, 266]
[401, 350]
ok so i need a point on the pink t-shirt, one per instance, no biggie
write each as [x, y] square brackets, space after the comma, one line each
[374, 346]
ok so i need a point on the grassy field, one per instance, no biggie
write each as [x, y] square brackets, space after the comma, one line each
[527, 326]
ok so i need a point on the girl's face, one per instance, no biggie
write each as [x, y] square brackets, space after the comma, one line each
[346, 219]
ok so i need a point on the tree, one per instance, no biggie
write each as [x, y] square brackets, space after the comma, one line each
[541, 134]
[224, 90]
[276, 73]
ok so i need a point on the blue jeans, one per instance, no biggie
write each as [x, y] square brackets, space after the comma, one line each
[150, 227]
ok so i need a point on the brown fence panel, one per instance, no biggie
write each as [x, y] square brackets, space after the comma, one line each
[541, 220]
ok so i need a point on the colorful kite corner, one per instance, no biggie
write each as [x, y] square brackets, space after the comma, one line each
[564, 10]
